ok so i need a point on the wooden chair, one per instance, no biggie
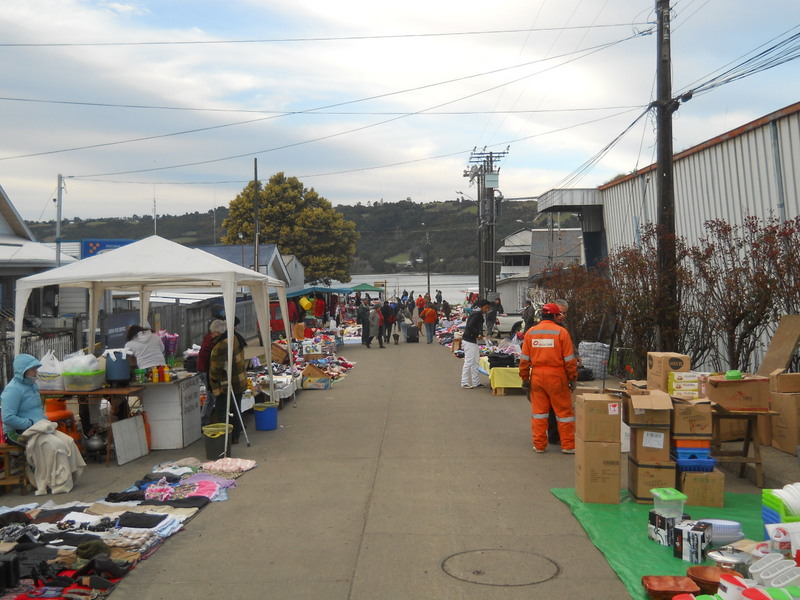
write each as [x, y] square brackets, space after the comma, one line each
[13, 472]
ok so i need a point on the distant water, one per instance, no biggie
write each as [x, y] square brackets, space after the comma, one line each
[454, 287]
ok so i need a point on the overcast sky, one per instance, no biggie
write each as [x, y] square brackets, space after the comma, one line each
[170, 101]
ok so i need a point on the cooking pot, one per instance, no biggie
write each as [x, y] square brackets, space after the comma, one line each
[729, 557]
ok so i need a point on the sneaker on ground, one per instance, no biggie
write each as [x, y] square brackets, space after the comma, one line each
[467, 387]
[568, 451]
[479, 385]
[538, 451]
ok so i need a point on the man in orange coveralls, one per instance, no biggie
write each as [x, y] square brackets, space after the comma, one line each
[548, 368]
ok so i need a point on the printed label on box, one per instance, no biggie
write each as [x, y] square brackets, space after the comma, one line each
[613, 408]
[653, 439]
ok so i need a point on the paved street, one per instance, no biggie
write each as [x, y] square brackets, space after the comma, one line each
[395, 484]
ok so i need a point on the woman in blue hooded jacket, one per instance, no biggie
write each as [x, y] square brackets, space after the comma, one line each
[20, 402]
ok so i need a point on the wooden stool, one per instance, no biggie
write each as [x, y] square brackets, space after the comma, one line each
[751, 439]
[13, 467]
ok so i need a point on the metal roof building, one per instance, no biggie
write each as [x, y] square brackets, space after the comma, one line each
[751, 170]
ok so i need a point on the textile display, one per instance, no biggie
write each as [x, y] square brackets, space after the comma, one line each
[629, 551]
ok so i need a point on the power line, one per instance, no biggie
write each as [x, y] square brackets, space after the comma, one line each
[312, 39]
[587, 52]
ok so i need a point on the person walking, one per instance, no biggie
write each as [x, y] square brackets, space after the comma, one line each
[548, 370]
[387, 311]
[552, 424]
[429, 317]
[362, 318]
[473, 331]
[376, 325]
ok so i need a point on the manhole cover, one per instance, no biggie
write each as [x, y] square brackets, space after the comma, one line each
[500, 567]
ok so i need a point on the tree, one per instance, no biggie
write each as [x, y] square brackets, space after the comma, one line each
[732, 264]
[300, 222]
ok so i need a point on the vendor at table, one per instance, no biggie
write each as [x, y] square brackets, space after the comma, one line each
[53, 456]
[147, 349]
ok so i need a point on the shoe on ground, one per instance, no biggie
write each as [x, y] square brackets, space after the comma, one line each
[479, 385]
[568, 451]
[538, 451]
[467, 387]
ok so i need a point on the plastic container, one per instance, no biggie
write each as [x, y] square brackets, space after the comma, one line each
[790, 576]
[139, 375]
[84, 382]
[668, 502]
[215, 440]
[762, 563]
[766, 576]
[705, 465]
[266, 414]
[118, 369]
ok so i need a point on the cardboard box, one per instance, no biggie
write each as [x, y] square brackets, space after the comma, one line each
[597, 471]
[786, 424]
[783, 382]
[691, 540]
[691, 418]
[661, 529]
[650, 445]
[597, 417]
[659, 366]
[586, 389]
[764, 426]
[703, 488]
[625, 437]
[730, 430]
[749, 393]
[647, 409]
[684, 376]
[643, 477]
[314, 378]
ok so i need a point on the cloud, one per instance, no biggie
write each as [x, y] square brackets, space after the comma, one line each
[357, 112]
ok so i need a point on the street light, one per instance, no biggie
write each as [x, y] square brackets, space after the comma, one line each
[241, 242]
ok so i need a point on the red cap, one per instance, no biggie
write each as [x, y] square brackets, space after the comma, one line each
[551, 309]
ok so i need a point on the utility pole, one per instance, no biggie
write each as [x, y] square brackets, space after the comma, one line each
[256, 203]
[58, 219]
[428, 258]
[667, 310]
[484, 172]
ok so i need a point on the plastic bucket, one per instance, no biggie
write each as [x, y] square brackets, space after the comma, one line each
[266, 416]
[215, 440]
[305, 303]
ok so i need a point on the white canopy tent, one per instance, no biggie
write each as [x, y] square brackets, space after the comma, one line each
[155, 263]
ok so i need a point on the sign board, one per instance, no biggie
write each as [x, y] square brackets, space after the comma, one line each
[94, 247]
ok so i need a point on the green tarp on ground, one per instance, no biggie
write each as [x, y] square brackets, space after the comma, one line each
[620, 532]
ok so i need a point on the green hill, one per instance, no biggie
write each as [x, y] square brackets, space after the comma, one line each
[394, 235]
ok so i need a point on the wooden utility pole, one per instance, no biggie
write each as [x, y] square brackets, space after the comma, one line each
[667, 309]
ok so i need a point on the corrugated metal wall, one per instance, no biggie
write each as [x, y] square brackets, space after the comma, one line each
[745, 174]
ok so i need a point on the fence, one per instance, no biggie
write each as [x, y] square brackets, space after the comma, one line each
[61, 342]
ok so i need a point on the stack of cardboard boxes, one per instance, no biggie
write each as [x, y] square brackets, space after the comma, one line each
[648, 412]
[669, 416]
[597, 448]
